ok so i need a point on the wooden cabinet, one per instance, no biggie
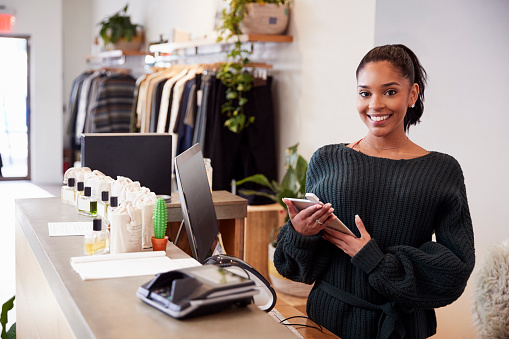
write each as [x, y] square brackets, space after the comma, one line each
[259, 224]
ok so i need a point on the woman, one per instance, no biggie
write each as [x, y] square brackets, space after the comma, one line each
[394, 194]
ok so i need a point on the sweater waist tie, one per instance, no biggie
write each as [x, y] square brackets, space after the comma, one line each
[389, 323]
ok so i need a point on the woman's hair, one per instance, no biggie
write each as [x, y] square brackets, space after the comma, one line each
[406, 62]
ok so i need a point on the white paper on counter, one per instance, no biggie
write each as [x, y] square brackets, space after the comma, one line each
[58, 229]
[127, 264]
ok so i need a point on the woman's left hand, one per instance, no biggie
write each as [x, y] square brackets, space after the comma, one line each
[347, 243]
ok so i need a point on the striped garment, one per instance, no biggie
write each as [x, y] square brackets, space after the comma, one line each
[112, 110]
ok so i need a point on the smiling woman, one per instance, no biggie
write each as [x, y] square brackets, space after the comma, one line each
[14, 109]
[386, 280]
[390, 83]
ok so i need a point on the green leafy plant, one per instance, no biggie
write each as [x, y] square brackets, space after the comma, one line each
[293, 184]
[118, 26]
[160, 218]
[11, 333]
[233, 73]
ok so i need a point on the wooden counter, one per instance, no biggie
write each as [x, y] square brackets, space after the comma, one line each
[231, 211]
[53, 302]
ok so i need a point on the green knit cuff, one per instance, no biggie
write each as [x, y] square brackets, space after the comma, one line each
[368, 258]
[302, 241]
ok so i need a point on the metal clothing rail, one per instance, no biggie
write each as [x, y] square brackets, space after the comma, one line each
[114, 57]
[209, 46]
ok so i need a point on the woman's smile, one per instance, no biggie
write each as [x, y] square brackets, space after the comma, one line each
[378, 118]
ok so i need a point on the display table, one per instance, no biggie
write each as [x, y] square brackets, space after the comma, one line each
[53, 302]
[231, 211]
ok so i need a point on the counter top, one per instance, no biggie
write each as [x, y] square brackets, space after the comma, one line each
[108, 308]
[226, 204]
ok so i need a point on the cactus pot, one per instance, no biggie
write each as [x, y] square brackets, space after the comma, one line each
[159, 244]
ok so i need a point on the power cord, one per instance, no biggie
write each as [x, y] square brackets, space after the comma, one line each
[320, 328]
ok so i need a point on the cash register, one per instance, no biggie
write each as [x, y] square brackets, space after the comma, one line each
[223, 280]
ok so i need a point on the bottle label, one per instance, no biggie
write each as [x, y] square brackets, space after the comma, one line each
[67, 195]
[102, 210]
[84, 205]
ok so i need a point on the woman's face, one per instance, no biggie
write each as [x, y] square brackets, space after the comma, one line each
[383, 97]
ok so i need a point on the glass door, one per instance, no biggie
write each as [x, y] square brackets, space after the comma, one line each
[14, 108]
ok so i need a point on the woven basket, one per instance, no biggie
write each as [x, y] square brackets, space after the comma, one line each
[284, 285]
[134, 45]
[265, 19]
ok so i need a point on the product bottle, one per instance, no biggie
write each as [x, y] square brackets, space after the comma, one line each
[208, 169]
[85, 204]
[68, 193]
[102, 206]
[97, 241]
[111, 208]
[80, 189]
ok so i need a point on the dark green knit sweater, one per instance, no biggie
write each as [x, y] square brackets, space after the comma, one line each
[390, 288]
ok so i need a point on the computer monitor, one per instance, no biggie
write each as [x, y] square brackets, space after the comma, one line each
[196, 201]
[146, 158]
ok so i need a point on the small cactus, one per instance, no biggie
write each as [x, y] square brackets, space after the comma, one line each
[160, 218]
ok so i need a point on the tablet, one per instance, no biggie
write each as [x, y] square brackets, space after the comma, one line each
[336, 224]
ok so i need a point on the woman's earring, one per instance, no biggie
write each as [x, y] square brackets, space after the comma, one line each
[413, 105]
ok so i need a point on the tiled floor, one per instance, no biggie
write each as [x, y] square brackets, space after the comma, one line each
[9, 192]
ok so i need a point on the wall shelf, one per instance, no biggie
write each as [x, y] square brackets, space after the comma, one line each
[177, 47]
[134, 61]
[113, 56]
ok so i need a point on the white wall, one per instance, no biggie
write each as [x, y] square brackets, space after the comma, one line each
[160, 17]
[315, 85]
[42, 21]
[463, 46]
[314, 76]
[77, 42]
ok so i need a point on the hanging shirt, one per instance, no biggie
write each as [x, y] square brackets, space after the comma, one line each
[112, 112]
[165, 101]
[82, 106]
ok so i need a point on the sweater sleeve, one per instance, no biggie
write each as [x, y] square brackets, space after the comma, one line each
[434, 274]
[298, 257]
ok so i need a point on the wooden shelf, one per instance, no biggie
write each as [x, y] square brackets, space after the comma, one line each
[168, 48]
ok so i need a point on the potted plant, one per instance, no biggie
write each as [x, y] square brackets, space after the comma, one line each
[293, 185]
[160, 221]
[233, 74]
[118, 32]
[11, 333]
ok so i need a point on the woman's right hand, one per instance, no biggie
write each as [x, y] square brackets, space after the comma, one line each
[311, 220]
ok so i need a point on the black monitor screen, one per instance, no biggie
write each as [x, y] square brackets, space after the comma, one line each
[196, 201]
[146, 158]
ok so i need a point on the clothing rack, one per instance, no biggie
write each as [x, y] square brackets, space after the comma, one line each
[110, 69]
[208, 47]
[116, 57]
[185, 101]
[100, 101]
[132, 60]
[211, 41]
